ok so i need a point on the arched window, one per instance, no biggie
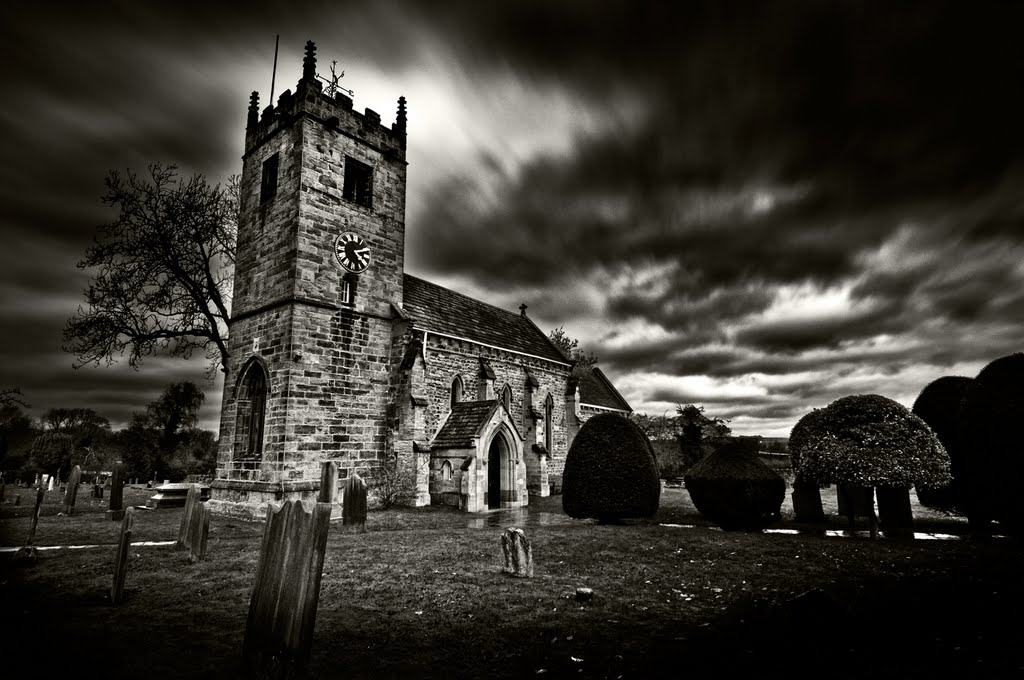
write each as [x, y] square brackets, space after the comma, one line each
[456, 391]
[446, 471]
[506, 398]
[549, 434]
[250, 412]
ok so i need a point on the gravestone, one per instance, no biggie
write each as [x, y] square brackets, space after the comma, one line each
[116, 507]
[518, 554]
[124, 546]
[27, 553]
[17, 499]
[353, 512]
[3, 488]
[199, 533]
[282, 611]
[193, 507]
[328, 482]
[50, 487]
[72, 492]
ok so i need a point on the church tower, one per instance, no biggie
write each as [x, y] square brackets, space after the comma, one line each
[319, 264]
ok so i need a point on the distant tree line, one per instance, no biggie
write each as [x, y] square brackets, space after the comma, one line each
[163, 440]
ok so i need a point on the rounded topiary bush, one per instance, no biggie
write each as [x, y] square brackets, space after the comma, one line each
[939, 405]
[806, 430]
[870, 440]
[736, 490]
[610, 471]
[993, 448]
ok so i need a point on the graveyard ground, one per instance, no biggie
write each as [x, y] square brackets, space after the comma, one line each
[421, 594]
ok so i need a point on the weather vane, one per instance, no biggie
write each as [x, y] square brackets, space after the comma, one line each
[332, 83]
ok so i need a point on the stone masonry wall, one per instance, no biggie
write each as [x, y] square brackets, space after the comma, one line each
[446, 358]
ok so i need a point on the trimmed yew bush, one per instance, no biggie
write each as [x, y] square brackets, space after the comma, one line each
[939, 405]
[870, 440]
[736, 490]
[993, 448]
[806, 429]
[610, 471]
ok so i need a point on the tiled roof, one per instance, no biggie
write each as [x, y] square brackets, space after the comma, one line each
[438, 309]
[597, 390]
[465, 422]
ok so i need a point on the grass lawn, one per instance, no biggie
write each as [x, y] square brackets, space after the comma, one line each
[421, 594]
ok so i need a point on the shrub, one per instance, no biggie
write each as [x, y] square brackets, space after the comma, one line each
[736, 490]
[811, 426]
[610, 471]
[870, 440]
[52, 451]
[992, 462]
[939, 405]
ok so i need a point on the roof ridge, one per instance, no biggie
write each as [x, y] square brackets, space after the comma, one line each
[471, 299]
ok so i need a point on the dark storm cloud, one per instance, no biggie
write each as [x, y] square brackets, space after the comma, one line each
[879, 113]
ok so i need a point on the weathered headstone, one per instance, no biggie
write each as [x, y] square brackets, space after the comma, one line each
[27, 553]
[3, 488]
[517, 553]
[124, 546]
[116, 509]
[72, 492]
[50, 487]
[282, 611]
[199, 533]
[17, 499]
[353, 511]
[192, 506]
[328, 482]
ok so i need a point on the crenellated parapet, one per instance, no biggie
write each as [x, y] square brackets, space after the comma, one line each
[336, 113]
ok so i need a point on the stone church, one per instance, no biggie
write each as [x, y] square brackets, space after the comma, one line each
[336, 354]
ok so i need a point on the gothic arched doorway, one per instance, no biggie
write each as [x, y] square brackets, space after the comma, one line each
[500, 486]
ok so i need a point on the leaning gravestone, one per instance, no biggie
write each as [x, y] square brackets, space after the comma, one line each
[193, 506]
[124, 546]
[27, 553]
[518, 554]
[116, 509]
[69, 496]
[282, 611]
[199, 533]
[353, 512]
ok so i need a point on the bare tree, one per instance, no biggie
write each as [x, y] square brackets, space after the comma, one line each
[163, 271]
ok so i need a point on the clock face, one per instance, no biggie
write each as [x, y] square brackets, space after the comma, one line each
[352, 252]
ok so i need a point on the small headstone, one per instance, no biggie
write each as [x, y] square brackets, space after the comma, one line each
[353, 511]
[50, 487]
[2, 490]
[17, 499]
[116, 509]
[328, 482]
[121, 562]
[584, 594]
[518, 554]
[72, 490]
